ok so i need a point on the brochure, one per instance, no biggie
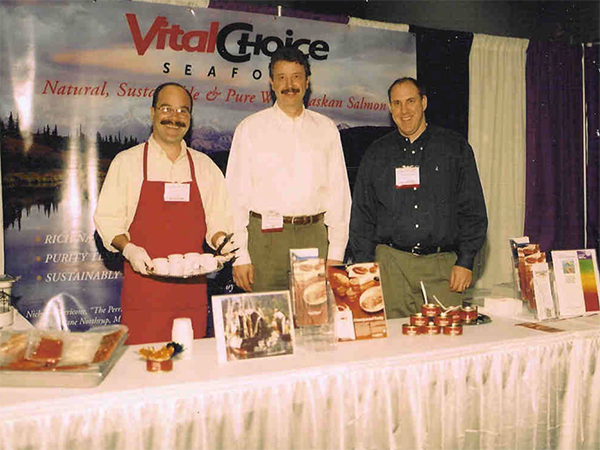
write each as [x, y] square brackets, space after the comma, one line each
[577, 281]
[309, 287]
[360, 307]
[515, 244]
[542, 292]
[528, 256]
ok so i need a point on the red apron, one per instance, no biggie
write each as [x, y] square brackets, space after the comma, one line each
[149, 305]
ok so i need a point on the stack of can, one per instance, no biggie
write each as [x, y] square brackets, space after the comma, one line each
[432, 320]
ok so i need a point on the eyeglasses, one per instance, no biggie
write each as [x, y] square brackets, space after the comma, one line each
[178, 111]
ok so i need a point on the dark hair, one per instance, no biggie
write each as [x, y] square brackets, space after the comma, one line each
[421, 87]
[164, 85]
[290, 54]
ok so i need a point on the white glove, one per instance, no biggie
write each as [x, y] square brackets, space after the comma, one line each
[227, 248]
[138, 257]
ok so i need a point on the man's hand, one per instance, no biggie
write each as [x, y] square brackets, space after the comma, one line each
[138, 257]
[243, 275]
[333, 262]
[460, 279]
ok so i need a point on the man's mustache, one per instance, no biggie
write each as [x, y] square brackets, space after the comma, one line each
[170, 122]
[291, 91]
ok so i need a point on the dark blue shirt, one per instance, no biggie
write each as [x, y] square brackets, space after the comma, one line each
[447, 209]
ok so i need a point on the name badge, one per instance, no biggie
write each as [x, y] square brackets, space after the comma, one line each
[177, 192]
[271, 222]
[407, 177]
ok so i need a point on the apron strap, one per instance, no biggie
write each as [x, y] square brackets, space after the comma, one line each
[146, 161]
[192, 168]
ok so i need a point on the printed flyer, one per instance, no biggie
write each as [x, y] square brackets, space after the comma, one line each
[360, 307]
[577, 281]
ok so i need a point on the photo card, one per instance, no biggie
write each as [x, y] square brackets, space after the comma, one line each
[253, 325]
[360, 307]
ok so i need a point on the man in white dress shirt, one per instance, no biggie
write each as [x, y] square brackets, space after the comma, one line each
[287, 181]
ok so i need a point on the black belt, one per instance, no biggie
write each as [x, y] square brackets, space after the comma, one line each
[296, 220]
[423, 250]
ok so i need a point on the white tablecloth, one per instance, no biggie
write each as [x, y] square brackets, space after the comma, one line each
[498, 386]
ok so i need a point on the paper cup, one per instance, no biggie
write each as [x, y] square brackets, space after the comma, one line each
[191, 263]
[161, 266]
[183, 333]
[7, 317]
[176, 265]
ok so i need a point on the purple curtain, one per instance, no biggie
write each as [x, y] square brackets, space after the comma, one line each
[592, 94]
[554, 199]
[244, 7]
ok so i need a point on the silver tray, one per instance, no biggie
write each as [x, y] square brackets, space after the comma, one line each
[89, 375]
[195, 273]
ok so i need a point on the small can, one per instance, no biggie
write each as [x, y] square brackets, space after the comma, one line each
[152, 366]
[468, 314]
[159, 366]
[455, 316]
[166, 366]
[454, 329]
[430, 309]
[432, 328]
[410, 329]
[419, 319]
[443, 320]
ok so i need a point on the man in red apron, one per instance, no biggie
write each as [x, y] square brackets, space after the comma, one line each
[161, 198]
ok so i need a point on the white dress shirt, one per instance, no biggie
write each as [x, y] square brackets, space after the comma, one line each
[292, 166]
[120, 192]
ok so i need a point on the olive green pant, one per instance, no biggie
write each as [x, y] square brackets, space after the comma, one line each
[401, 276]
[270, 252]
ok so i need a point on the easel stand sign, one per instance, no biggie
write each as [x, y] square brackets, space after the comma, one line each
[577, 281]
[359, 301]
[255, 325]
[312, 302]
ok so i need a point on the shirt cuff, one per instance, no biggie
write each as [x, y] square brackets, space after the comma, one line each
[240, 238]
[336, 252]
[465, 259]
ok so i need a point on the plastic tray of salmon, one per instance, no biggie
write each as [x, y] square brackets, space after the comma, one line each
[50, 358]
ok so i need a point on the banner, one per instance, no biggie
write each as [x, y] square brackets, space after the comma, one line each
[77, 83]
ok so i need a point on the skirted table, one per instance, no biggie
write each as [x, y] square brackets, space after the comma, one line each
[498, 386]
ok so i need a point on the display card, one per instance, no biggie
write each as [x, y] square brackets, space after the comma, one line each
[360, 307]
[577, 281]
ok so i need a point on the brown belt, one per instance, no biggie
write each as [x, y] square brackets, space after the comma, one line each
[296, 220]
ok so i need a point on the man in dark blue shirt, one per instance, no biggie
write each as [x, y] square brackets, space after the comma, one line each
[418, 207]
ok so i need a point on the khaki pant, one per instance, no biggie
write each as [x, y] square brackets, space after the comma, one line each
[270, 252]
[401, 276]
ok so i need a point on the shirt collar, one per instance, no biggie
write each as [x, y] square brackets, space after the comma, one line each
[421, 140]
[156, 150]
[284, 118]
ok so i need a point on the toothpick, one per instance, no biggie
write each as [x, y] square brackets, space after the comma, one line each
[424, 293]
[440, 303]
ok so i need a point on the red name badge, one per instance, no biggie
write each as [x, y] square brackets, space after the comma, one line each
[407, 177]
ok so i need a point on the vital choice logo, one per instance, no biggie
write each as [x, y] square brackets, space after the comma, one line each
[201, 41]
